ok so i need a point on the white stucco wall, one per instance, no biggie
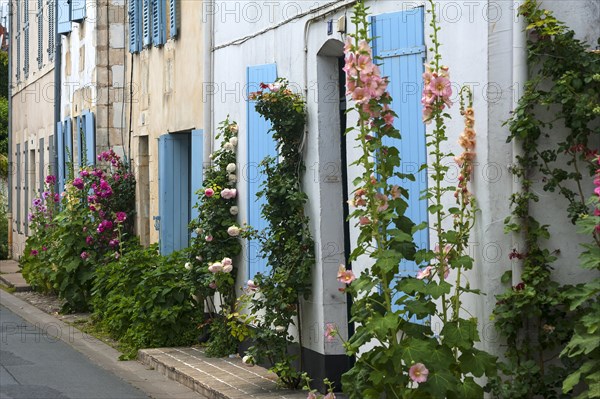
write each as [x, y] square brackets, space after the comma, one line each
[477, 45]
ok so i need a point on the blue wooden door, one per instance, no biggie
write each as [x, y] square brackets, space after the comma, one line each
[174, 191]
[197, 162]
[260, 145]
[399, 42]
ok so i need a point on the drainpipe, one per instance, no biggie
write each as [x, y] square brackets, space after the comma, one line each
[519, 77]
[208, 80]
[9, 216]
[57, 87]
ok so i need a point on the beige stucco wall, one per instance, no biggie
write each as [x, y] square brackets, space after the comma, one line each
[167, 98]
[32, 115]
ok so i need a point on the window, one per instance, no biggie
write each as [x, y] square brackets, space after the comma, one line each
[148, 23]
[86, 137]
[69, 11]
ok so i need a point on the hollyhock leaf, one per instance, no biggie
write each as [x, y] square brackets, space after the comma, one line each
[415, 350]
[461, 334]
[436, 290]
[440, 382]
[465, 261]
[422, 308]
[411, 285]
[467, 389]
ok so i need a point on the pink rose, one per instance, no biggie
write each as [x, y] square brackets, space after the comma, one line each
[209, 192]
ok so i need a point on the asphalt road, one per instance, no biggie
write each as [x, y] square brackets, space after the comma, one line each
[35, 365]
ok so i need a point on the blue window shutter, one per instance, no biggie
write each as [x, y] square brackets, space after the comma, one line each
[51, 170]
[41, 162]
[89, 123]
[158, 22]
[399, 41]
[147, 22]
[174, 191]
[51, 31]
[18, 188]
[77, 10]
[26, 186]
[61, 171]
[197, 163]
[68, 129]
[173, 18]
[40, 21]
[79, 134]
[134, 26]
[64, 17]
[260, 145]
[18, 40]
[26, 38]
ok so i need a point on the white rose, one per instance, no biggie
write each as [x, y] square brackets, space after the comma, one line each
[233, 141]
[227, 268]
[226, 261]
[234, 210]
[199, 258]
[234, 128]
[188, 266]
[228, 147]
[231, 168]
[215, 267]
[233, 231]
[232, 178]
[280, 329]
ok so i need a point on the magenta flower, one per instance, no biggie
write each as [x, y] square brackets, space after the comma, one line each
[84, 255]
[113, 243]
[56, 197]
[418, 373]
[78, 183]
[84, 173]
[209, 192]
[89, 240]
[34, 252]
[121, 216]
[50, 180]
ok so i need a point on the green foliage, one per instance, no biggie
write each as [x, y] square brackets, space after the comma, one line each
[213, 248]
[4, 136]
[146, 300]
[536, 316]
[3, 228]
[4, 74]
[286, 243]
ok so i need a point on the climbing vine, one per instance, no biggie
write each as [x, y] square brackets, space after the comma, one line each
[536, 315]
[286, 242]
[216, 244]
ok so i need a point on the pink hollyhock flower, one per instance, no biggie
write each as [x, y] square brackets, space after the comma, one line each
[44, 249]
[84, 173]
[78, 183]
[113, 243]
[208, 238]
[425, 273]
[84, 255]
[441, 87]
[363, 47]
[361, 95]
[34, 252]
[311, 395]
[418, 373]
[389, 118]
[345, 276]
[330, 332]
[363, 221]
[89, 240]
[121, 216]
[330, 395]
[395, 192]
[383, 202]
[50, 180]
[209, 192]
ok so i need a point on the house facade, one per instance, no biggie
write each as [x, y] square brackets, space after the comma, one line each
[67, 94]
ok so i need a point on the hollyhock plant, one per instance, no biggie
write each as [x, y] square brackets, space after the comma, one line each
[418, 373]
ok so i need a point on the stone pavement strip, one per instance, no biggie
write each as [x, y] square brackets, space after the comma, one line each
[10, 275]
[225, 378]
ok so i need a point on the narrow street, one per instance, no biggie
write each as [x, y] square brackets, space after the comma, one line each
[34, 365]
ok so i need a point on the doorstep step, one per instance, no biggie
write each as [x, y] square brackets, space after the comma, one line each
[224, 378]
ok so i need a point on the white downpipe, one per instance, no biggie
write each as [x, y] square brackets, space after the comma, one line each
[519, 77]
[208, 80]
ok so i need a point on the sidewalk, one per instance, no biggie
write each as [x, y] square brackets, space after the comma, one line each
[181, 373]
[10, 275]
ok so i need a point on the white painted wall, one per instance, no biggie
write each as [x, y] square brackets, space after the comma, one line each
[478, 49]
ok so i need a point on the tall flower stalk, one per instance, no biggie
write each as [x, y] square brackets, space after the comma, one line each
[409, 359]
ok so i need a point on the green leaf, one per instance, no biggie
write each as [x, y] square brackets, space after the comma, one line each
[440, 382]
[460, 334]
[436, 290]
[506, 277]
[477, 362]
[573, 378]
